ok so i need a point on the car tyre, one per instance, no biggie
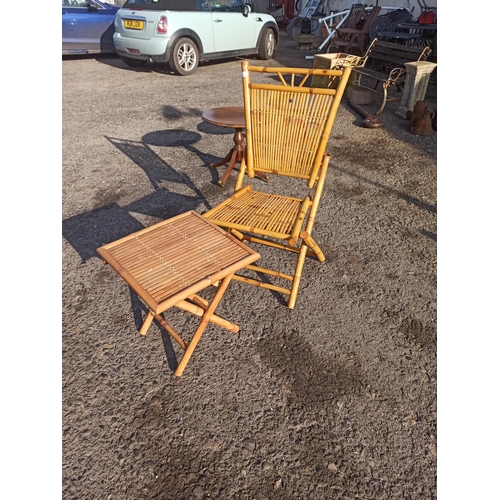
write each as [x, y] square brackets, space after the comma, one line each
[185, 57]
[134, 63]
[267, 45]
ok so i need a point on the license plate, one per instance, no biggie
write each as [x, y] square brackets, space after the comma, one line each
[133, 25]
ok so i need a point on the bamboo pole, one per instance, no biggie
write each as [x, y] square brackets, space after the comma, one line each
[147, 322]
[261, 284]
[299, 221]
[271, 272]
[171, 331]
[296, 279]
[203, 324]
[200, 311]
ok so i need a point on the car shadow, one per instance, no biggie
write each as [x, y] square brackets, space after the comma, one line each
[107, 58]
[164, 68]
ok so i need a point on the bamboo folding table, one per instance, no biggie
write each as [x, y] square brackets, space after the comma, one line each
[168, 263]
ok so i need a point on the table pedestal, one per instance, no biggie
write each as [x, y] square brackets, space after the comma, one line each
[230, 117]
[235, 155]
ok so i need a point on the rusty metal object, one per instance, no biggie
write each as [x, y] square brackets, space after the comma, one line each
[370, 121]
[420, 119]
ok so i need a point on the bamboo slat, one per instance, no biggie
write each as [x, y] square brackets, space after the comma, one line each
[263, 213]
[262, 284]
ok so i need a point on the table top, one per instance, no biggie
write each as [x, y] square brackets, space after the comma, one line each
[172, 260]
[228, 116]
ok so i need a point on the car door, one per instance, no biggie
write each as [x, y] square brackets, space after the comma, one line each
[232, 30]
[85, 29]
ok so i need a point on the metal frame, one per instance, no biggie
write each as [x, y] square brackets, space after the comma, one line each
[344, 13]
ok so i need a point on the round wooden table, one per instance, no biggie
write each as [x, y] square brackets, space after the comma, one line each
[229, 117]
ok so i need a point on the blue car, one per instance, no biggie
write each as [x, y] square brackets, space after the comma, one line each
[88, 27]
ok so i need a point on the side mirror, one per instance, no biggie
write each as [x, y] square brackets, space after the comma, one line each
[91, 6]
[246, 10]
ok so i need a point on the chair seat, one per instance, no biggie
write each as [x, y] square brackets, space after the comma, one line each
[264, 213]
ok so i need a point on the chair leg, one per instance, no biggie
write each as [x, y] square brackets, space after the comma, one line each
[203, 324]
[147, 323]
[313, 246]
[297, 275]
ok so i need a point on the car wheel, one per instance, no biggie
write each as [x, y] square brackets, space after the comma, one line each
[267, 45]
[185, 57]
[134, 63]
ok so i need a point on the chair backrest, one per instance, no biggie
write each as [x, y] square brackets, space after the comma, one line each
[354, 16]
[389, 55]
[288, 124]
[371, 15]
[389, 21]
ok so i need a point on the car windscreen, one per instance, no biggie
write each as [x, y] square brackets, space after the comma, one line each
[160, 4]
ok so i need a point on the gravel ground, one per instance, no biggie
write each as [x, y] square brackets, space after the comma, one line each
[333, 400]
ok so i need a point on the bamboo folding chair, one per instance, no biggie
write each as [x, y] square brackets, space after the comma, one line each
[287, 128]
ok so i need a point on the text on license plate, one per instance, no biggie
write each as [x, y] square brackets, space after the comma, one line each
[133, 25]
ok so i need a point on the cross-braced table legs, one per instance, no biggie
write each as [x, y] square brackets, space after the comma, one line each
[201, 308]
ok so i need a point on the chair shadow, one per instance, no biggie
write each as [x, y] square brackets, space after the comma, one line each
[109, 222]
[157, 170]
[90, 230]
[185, 139]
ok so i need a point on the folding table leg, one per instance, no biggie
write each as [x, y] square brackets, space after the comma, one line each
[203, 324]
[147, 323]
[193, 309]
